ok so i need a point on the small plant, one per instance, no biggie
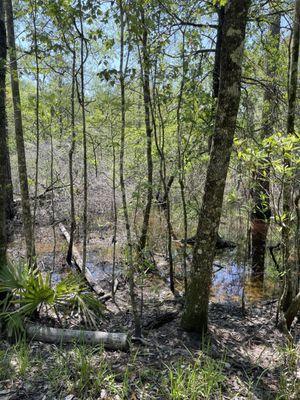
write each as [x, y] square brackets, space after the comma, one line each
[23, 357]
[6, 370]
[289, 384]
[27, 291]
[200, 380]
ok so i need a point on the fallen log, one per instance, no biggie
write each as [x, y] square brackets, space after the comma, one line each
[220, 243]
[112, 341]
[160, 320]
[79, 263]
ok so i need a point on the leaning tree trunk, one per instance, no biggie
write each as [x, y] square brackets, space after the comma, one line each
[261, 213]
[290, 275]
[22, 168]
[195, 316]
[3, 54]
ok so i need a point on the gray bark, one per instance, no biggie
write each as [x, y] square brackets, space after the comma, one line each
[195, 316]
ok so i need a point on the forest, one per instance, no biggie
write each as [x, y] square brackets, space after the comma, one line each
[149, 199]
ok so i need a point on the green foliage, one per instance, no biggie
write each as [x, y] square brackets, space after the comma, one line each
[27, 291]
[202, 379]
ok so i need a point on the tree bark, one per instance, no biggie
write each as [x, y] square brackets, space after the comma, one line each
[195, 316]
[9, 194]
[3, 55]
[290, 272]
[145, 66]
[22, 168]
[130, 260]
[71, 153]
[83, 59]
[37, 111]
[261, 213]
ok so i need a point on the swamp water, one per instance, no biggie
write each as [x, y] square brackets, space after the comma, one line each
[231, 278]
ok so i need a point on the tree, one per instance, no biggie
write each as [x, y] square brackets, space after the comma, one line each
[145, 67]
[3, 145]
[130, 256]
[22, 168]
[261, 213]
[195, 316]
[291, 284]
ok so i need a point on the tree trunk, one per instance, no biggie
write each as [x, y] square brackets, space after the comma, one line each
[37, 111]
[22, 168]
[145, 66]
[130, 260]
[261, 213]
[3, 54]
[216, 70]
[71, 153]
[290, 273]
[195, 316]
[9, 195]
[83, 59]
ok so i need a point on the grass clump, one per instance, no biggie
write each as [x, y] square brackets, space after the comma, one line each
[200, 380]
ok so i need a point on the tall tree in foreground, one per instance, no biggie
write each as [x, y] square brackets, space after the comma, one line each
[130, 257]
[261, 213]
[291, 273]
[22, 169]
[3, 53]
[195, 316]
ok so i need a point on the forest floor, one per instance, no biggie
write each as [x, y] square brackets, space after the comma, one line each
[244, 356]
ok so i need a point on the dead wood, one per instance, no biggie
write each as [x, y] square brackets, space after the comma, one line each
[160, 320]
[113, 341]
[79, 263]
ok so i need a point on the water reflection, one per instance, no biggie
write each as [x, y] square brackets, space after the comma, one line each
[228, 283]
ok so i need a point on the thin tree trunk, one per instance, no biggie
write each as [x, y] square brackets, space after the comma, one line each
[9, 195]
[195, 316]
[71, 154]
[145, 64]
[216, 70]
[181, 165]
[37, 114]
[84, 140]
[165, 204]
[52, 190]
[130, 259]
[290, 279]
[25, 200]
[115, 212]
[9, 202]
[261, 213]
[3, 55]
